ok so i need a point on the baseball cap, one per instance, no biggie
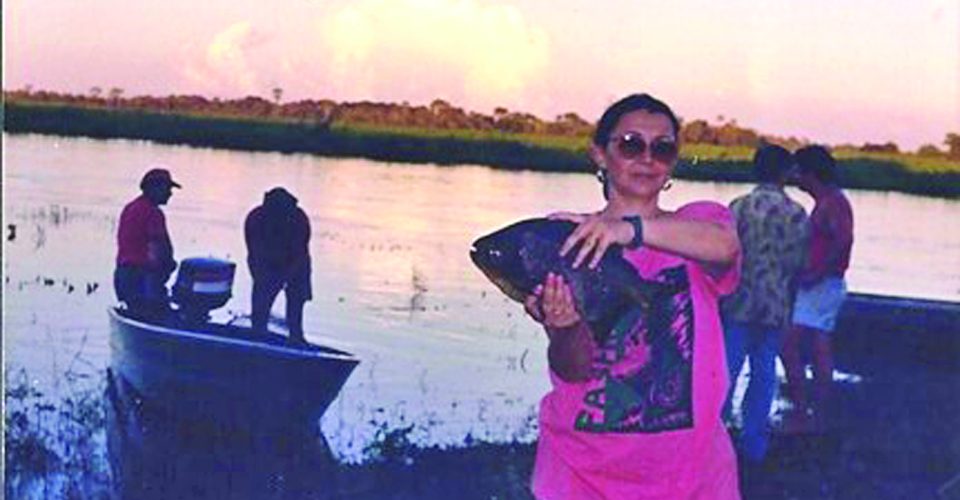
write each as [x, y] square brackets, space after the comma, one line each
[158, 176]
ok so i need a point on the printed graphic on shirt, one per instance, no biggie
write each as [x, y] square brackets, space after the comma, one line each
[773, 237]
[642, 378]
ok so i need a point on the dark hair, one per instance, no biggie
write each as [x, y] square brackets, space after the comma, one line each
[771, 162]
[279, 200]
[634, 102]
[818, 161]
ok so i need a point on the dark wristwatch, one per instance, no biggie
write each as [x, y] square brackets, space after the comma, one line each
[637, 224]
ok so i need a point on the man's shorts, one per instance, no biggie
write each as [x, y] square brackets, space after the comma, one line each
[818, 306]
[297, 287]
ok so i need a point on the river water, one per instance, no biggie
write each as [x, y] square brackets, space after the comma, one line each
[440, 348]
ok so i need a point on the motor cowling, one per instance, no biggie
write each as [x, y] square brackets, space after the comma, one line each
[203, 284]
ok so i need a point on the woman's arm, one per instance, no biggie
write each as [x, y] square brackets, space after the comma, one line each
[711, 243]
[714, 244]
[571, 349]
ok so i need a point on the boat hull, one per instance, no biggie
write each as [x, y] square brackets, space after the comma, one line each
[876, 332]
[225, 373]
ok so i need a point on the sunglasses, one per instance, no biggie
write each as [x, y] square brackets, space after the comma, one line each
[631, 146]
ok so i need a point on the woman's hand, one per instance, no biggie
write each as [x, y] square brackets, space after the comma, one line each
[572, 347]
[532, 304]
[552, 304]
[594, 233]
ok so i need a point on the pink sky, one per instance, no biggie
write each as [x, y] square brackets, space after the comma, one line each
[850, 71]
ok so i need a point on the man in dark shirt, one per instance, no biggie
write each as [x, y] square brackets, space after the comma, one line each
[144, 251]
[277, 235]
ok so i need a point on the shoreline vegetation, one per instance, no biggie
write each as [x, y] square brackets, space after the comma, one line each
[886, 441]
[444, 135]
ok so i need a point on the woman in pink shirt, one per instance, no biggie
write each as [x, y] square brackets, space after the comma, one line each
[637, 414]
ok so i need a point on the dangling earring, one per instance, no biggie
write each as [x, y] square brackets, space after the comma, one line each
[604, 181]
[667, 185]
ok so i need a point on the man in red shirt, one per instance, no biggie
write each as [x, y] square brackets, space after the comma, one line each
[144, 252]
[278, 236]
[822, 288]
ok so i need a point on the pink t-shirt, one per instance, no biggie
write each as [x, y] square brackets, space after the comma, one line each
[647, 424]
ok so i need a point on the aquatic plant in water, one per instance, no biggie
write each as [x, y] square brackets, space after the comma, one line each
[54, 447]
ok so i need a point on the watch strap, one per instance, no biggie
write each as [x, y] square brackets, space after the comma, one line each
[637, 224]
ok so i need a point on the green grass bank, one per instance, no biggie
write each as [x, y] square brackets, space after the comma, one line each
[872, 171]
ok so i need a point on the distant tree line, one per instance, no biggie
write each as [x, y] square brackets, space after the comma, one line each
[438, 115]
[879, 171]
[951, 148]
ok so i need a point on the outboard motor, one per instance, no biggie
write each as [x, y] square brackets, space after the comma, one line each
[203, 284]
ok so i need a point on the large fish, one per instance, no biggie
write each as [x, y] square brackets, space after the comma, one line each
[517, 258]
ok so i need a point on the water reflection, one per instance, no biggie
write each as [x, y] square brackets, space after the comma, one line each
[393, 284]
[155, 455]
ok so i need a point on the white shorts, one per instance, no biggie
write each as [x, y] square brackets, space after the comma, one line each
[819, 305]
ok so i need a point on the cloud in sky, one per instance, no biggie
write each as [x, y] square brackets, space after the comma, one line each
[224, 66]
[458, 49]
[818, 69]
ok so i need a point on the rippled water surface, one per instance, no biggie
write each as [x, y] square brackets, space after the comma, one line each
[440, 347]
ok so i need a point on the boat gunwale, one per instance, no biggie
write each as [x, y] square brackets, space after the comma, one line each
[320, 353]
[949, 306]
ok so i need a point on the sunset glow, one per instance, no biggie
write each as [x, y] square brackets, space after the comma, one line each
[851, 72]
